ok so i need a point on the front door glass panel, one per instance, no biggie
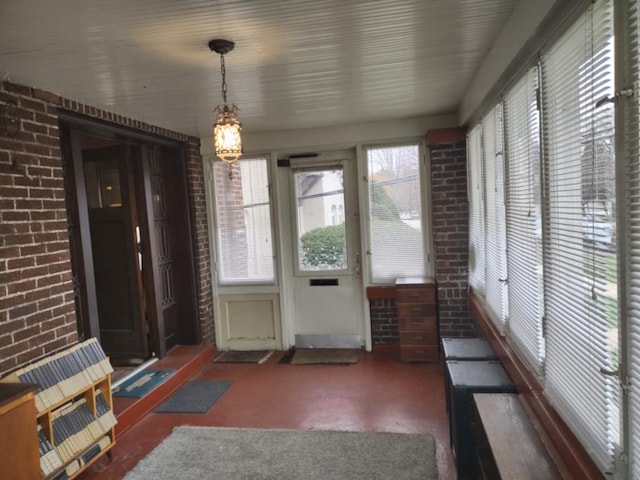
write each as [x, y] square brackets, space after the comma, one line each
[319, 209]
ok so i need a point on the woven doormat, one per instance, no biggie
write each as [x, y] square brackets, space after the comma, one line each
[326, 356]
[244, 356]
[195, 397]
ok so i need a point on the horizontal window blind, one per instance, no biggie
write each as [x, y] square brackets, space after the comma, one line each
[496, 275]
[476, 211]
[243, 221]
[524, 218]
[395, 213]
[632, 149]
[580, 274]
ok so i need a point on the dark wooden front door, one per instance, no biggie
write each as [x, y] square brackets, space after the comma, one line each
[113, 222]
[170, 247]
[130, 239]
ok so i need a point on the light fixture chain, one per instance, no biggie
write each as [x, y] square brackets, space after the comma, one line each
[224, 79]
[227, 139]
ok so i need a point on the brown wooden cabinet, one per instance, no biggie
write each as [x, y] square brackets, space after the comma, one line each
[19, 458]
[417, 319]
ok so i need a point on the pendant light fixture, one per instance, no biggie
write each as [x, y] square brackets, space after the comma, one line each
[227, 141]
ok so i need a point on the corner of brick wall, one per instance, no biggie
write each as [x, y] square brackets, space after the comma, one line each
[200, 228]
[450, 220]
[37, 308]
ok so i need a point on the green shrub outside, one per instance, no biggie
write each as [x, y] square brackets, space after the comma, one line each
[324, 247]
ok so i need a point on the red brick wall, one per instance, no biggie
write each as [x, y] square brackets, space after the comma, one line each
[37, 312]
[384, 321]
[450, 219]
[200, 232]
[231, 220]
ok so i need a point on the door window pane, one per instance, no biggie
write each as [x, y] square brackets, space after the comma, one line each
[395, 213]
[321, 238]
[243, 218]
[102, 179]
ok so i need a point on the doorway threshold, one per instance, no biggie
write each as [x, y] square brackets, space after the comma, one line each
[328, 341]
[186, 360]
[130, 372]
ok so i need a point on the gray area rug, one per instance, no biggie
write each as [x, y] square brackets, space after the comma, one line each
[335, 356]
[200, 453]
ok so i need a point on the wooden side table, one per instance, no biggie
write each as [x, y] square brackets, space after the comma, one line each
[19, 450]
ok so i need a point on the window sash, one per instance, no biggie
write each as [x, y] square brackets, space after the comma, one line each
[631, 149]
[244, 223]
[576, 71]
[476, 185]
[396, 219]
[495, 241]
[524, 218]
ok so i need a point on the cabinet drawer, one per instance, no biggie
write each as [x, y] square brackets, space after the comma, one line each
[419, 338]
[419, 353]
[416, 295]
[417, 324]
[415, 309]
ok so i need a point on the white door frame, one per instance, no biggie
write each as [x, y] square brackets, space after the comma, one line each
[288, 244]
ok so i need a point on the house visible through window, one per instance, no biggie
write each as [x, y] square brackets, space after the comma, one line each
[322, 238]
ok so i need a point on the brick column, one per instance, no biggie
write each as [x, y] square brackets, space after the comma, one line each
[450, 224]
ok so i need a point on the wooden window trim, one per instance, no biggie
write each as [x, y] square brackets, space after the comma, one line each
[381, 293]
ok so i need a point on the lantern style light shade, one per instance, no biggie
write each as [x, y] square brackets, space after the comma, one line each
[226, 135]
[227, 140]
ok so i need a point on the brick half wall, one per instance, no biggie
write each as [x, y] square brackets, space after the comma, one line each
[384, 321]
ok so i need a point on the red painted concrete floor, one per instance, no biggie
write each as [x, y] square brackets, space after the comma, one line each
[379, 394]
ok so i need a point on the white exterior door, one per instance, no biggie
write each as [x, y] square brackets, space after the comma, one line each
[324, 278]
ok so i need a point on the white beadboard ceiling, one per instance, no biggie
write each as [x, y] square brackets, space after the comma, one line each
[297, 63]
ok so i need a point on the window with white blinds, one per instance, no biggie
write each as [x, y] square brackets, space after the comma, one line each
[476, 211]
[524, 218]
[632, 153]
[395, 213]
[580, 269]
[243, 221]
[495, 240]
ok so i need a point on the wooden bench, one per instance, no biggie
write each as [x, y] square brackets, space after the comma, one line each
[507, 444]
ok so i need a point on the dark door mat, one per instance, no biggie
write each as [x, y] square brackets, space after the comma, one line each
[244, 356]
[194, 397]
[328, 356]
[141, 383]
